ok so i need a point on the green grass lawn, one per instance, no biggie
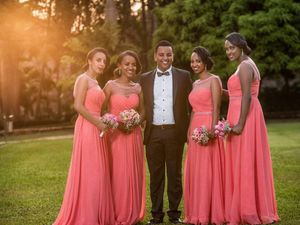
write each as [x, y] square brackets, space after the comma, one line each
[33, 176]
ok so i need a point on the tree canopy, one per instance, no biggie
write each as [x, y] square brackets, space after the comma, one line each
[271, 28]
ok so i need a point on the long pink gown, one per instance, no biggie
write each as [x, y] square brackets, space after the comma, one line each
[249, 188]
[127, 157]
[204, 165]
[87, 199]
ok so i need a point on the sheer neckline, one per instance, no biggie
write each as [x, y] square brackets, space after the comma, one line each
[250, 62]
[125, 90]
[124, 85]
[206, 79]
[89, 77]
[246, 60]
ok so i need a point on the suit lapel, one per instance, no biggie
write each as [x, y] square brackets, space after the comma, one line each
[175, 83]
[151, 88]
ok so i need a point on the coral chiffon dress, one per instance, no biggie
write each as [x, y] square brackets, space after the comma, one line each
[204, 165]
[127, 159]
[249, 188]
[88, 199]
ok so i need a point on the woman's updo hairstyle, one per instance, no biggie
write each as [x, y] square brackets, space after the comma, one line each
[93, 52]
[239, 40]
[117, 71]
[204, 54]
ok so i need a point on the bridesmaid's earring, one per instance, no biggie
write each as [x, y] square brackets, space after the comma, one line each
[119, 72]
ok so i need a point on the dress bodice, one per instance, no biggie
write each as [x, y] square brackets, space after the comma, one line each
[123, 97]
[200, 97]
[234, 86]
[119, 103]
[94, 96]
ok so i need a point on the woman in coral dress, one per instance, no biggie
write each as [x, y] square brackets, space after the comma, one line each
[87, 199]
[249, 189]
[204, 164]
[126, 148]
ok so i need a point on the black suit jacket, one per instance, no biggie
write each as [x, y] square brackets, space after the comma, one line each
[182, 85]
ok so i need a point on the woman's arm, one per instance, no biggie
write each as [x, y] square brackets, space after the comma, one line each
[245, 74]
[188, 91]
[216, 92]
[225, 94]
[80, 92]
[188, 131]
[107, 91]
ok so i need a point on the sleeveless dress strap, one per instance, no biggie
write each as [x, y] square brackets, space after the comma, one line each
[251, 63]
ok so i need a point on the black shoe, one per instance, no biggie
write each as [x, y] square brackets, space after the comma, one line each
[154, 221]
[176, 221]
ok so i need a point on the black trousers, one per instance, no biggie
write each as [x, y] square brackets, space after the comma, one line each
[164, 153]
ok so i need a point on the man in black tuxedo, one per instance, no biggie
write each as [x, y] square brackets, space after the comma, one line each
[165, 92]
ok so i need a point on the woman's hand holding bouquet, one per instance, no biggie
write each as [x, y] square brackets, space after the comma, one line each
[111, 122]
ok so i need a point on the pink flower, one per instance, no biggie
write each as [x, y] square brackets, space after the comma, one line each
[200, 135]
[130, 118]
[220, 125]
[222, 128]
[111, 122]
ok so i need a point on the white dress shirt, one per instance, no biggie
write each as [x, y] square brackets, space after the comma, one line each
[163, 99]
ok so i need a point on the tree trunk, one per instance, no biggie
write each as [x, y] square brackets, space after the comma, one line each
[110, 11]
[145, 37]
[9, 79]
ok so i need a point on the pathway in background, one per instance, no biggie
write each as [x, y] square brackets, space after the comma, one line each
[40, 138]
[37, 133]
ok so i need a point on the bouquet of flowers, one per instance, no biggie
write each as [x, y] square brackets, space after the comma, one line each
[222, 128]
[129, 119]
[110, 120]
[200, 135]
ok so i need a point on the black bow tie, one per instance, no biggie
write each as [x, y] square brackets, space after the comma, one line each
[163, 74]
